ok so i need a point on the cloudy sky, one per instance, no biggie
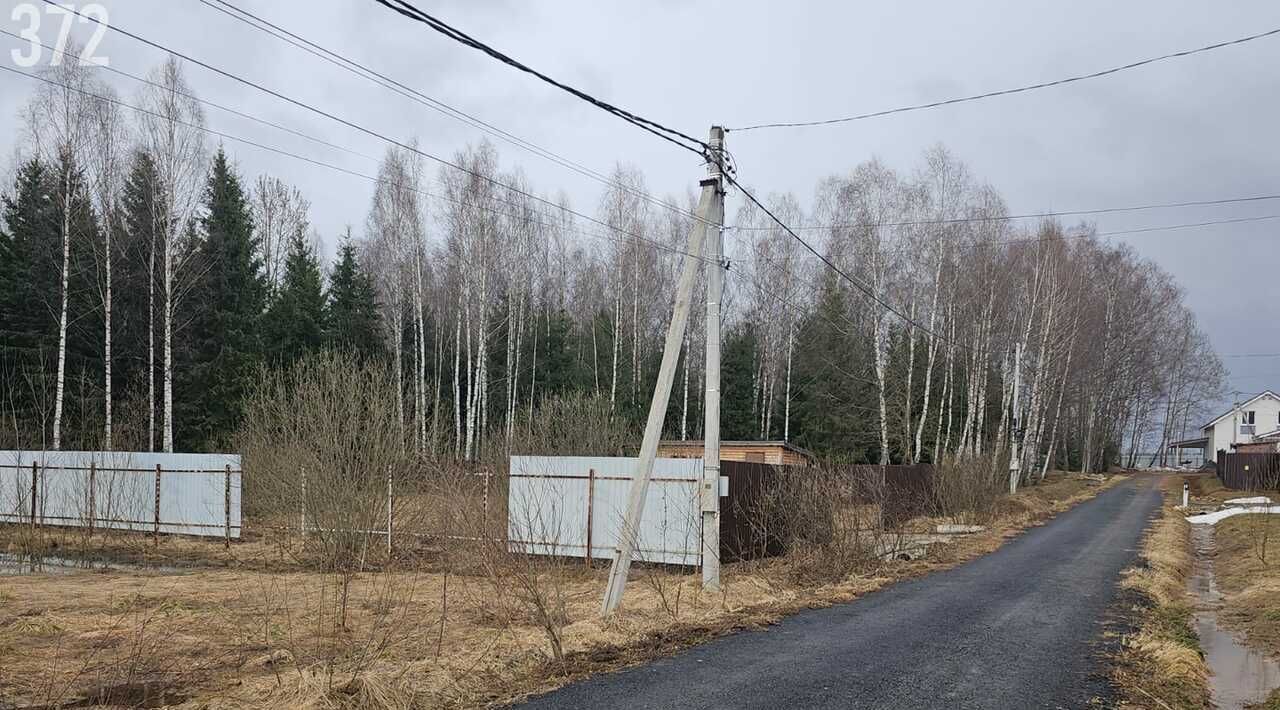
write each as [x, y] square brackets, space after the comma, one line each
[1189, 129]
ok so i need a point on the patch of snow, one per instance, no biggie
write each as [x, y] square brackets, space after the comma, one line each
[1218, 516]
[1255, 500]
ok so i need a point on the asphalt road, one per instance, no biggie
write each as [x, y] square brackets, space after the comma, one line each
[1013, 629]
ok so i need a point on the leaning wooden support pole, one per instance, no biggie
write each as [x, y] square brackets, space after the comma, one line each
[658, 406]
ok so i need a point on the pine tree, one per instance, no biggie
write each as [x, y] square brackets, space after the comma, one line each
[222, 345]
[353, 316]
[294, 325]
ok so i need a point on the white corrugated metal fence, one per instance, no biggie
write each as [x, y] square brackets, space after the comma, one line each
[567, 505]
[189, 494]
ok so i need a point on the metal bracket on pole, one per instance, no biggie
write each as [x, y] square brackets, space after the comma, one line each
[709, 206]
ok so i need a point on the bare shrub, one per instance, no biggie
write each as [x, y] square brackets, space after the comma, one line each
[574, 425]
[966, 489]
[320, 441]
[827, 520]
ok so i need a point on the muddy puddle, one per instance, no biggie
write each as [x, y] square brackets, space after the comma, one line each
[50, 564]
[1241, 675]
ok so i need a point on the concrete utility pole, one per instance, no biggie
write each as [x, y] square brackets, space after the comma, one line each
[1015, 460]
[710, 203]
[711, 423]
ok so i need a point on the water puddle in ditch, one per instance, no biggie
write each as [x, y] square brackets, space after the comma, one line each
[50, 564]
[1241, 675]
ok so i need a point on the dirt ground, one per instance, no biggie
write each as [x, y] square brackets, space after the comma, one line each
[251, 627]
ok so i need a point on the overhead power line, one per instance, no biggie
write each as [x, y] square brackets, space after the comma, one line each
[640, 240]
[1030, 215]
[321, 112]
[671, 135]
[365, 72]
[866, 290]
[193, 97]
[1017, 90]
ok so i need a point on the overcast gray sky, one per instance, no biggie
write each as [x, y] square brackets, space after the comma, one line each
[1189, 129]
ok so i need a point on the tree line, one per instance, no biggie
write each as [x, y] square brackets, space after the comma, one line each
[146, 283]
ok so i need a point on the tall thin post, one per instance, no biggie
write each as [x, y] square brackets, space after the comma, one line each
[35, 478]
[93, 474]
[658, 406]
[710, 495]
[591, 497]
[389, 510]
[302, 524]
[226, 508]
[156, 530]
[1015, 460]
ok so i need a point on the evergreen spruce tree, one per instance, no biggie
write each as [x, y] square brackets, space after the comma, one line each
[222, 347]
[834, 386]
[353, 319]
[142, 213]
[29, 279]
[737, 367]
[294, 325]
[31, 295]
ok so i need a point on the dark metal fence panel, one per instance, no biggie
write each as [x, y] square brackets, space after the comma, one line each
[902, 492]
[1249, 472]
[907, 490]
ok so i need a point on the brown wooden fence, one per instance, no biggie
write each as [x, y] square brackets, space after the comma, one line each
[1249, 472]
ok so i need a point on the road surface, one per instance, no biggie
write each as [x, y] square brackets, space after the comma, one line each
[1014, 629]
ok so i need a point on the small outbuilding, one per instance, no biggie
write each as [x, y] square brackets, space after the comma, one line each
[772, 452]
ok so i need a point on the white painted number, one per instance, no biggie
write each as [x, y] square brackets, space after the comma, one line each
[30, 14]
[30, 34]
[60, 47]
[89, 56]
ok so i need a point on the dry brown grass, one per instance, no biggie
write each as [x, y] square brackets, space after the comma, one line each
[1250, 586]
[248, 636]
[1159, 664]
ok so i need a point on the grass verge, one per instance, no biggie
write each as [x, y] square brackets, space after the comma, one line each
[1159, 664]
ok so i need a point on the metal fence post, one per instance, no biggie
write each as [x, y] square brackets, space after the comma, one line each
[93, 470]
[226, 508]
[389, 510]
[484, 502]
[303, 524]
[35, 477]
[155, 535]
[591, 495]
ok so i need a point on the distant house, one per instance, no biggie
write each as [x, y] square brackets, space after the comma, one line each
[1253, 421]
[774, 452]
